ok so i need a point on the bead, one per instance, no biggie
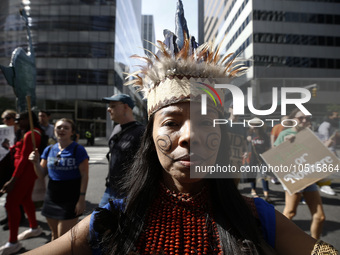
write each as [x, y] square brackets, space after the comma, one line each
[179, 224]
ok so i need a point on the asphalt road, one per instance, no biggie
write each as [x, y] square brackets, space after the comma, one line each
[96, 187]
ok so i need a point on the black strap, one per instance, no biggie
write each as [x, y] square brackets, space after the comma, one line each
[74, 149]
[49, 149]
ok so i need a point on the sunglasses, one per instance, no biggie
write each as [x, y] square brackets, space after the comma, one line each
[57, 161]
[7, 118]
[307, 118]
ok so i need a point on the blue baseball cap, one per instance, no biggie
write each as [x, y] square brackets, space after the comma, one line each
[124, 98]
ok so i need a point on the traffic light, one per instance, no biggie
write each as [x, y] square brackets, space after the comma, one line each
[314, 92]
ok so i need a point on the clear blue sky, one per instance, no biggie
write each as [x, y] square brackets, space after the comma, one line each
[164, 15]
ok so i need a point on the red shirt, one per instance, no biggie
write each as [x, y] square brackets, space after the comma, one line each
[23, 167]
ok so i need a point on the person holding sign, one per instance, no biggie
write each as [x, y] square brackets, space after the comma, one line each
[311, 193]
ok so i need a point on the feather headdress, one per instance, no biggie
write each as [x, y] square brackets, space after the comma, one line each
[169, 76]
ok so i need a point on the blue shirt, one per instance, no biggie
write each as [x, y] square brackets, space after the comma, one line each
[65, 167]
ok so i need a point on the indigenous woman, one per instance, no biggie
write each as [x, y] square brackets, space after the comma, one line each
[166, 211]
[66, 164]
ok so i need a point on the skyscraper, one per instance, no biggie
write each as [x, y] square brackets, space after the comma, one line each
[148, 33]
[287, 44]
[82, 50]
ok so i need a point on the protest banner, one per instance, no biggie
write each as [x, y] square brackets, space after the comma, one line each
[302, 162]
[7, 136]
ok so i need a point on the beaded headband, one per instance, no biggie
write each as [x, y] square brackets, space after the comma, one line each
[182, 71]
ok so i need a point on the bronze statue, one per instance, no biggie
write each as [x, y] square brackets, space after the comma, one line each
[21, 72]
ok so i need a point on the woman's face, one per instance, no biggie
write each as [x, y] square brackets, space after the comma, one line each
[63, 130]
[302, 120]
[184, 138]
[23, 122]
[8, 120]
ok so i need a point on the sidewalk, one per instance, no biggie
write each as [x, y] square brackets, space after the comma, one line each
[98, 141]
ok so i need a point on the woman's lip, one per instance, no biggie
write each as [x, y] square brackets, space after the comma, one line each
[188, 163]
[190, 160]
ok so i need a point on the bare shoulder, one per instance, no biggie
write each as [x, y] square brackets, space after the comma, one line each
[74, 241]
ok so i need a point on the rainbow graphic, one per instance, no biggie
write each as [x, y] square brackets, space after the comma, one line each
[209, 93]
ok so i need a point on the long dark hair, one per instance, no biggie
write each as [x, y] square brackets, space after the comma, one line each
[25, 115]
[120, 228]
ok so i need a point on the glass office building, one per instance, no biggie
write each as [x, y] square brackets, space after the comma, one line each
[290, 43]
[148, 33]
[82, 50]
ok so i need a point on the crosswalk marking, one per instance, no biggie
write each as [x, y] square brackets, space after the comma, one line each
[96, 154]
[97, 158]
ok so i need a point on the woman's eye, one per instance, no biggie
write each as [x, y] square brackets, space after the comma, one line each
[170, 123]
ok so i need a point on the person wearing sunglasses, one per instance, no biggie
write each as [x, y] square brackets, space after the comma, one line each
[8, 117]
[66, 163]
[7, 162]
[311, 193]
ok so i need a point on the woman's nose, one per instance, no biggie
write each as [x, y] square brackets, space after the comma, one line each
[185, 133]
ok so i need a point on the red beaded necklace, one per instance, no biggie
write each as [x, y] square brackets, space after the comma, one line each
[177, 223]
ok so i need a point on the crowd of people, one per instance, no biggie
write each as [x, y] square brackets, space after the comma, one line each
[53, 154]
[151, 205]
[65, 196]
[258, 143]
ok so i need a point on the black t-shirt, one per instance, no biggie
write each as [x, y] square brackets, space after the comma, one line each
[123, 146]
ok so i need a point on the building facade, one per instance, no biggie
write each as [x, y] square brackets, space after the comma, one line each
[286, 44]
[82, 50]
[148, 33]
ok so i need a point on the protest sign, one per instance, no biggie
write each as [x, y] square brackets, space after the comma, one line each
[302, 162]
[6, 137]
[237, 149]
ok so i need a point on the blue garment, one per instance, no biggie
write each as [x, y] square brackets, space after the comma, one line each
[94, 237]
[65, 167]
[108, 194]
[265, 211]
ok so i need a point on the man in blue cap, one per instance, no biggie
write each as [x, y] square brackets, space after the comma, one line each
[123, 142]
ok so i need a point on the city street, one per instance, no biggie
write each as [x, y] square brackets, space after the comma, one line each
[98, 171]
[96, 186]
